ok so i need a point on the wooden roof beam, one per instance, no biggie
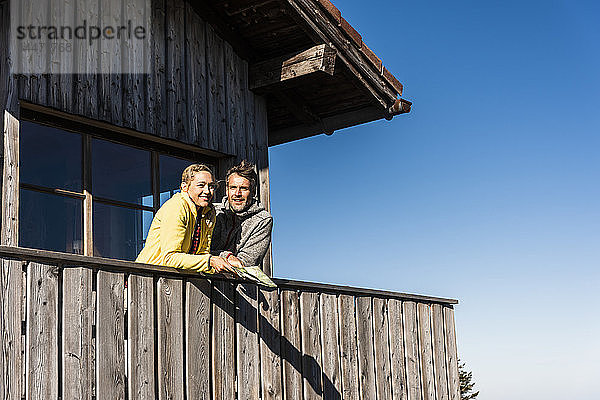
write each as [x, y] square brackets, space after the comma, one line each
[318, 24]
[326, 125]
[270, 73]
[300, 110]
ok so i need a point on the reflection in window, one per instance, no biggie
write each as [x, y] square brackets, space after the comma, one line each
[119, 232]
[120, 172]
[50, 222]
[50, 157]
[170, 176]
[122, 192]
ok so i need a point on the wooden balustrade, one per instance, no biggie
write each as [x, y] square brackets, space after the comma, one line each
[76, 327]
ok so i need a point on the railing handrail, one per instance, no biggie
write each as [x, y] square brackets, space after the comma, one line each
[68, 259]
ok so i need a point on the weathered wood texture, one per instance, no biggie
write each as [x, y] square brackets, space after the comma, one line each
[194, 92]
[247, 342]
[78, 319]
[170, 338]
[291, 345]
[348, 347]
[223, 341]
[10, 181]
[331, 351]
[270, 344]
[317, 59]
[11, 309]
[110, 340]
[42, 331]
[140, 322]
[195, 338]
[197, 329]
[311, 345]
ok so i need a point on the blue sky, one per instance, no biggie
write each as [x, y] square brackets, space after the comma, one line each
[486, 192]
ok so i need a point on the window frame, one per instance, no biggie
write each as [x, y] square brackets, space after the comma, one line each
[91, 129]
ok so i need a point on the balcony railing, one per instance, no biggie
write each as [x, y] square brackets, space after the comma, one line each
[76, 327]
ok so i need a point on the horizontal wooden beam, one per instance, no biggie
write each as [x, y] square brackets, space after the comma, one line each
[64, 259]
[326, 125]
[316, 60]
[318, 25]
[297, 107]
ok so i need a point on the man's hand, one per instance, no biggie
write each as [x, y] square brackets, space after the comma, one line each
[234, 261]
[219, 264]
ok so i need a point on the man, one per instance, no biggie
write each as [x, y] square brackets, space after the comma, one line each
[243, 227]
[181, 231]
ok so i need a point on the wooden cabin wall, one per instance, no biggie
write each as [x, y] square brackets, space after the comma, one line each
[196, 91]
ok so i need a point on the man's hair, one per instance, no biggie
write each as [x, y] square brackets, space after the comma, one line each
[245, 170]
[188, 174]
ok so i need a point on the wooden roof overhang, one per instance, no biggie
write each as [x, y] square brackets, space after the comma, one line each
[314, 69]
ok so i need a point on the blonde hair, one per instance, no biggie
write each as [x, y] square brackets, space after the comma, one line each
[188, 174]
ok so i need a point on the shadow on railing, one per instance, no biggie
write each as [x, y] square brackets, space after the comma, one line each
[78, 327]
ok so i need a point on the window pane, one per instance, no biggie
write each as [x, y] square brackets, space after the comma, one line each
[50, 222]
[120, 172]
[50, 157]
[119, 232]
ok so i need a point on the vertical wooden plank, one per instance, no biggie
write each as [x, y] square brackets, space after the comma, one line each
[398, 364]
[262, 165]
[195, 66]
[262, 143]
[247, 342]
[11, 314]
[290, 345]
[236, 129]
[175, 72]
[413, 377]
[251, 133]
[77, 321]
[86, 64]
[156, 119]
[311, 345]
[42, 331]
[366, 362]
[170, 338]
[223, 335]
[110, 345]
[197, 344]
[110, 96]
[331, 350]
[427, 377]
[217, 113]
[439, 352]
[10, 182]
[60, 81]
[133, 62]
[270, 345]
[382, 348]
[34, 61]
[348, 347]
[243, 147]
[140, 338]
[451, 354]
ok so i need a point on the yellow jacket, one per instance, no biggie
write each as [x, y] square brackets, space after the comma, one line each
[171, 232]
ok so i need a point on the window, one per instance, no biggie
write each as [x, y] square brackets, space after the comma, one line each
[85, 193]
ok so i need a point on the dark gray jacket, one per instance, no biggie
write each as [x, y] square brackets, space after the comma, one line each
[247, 234]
